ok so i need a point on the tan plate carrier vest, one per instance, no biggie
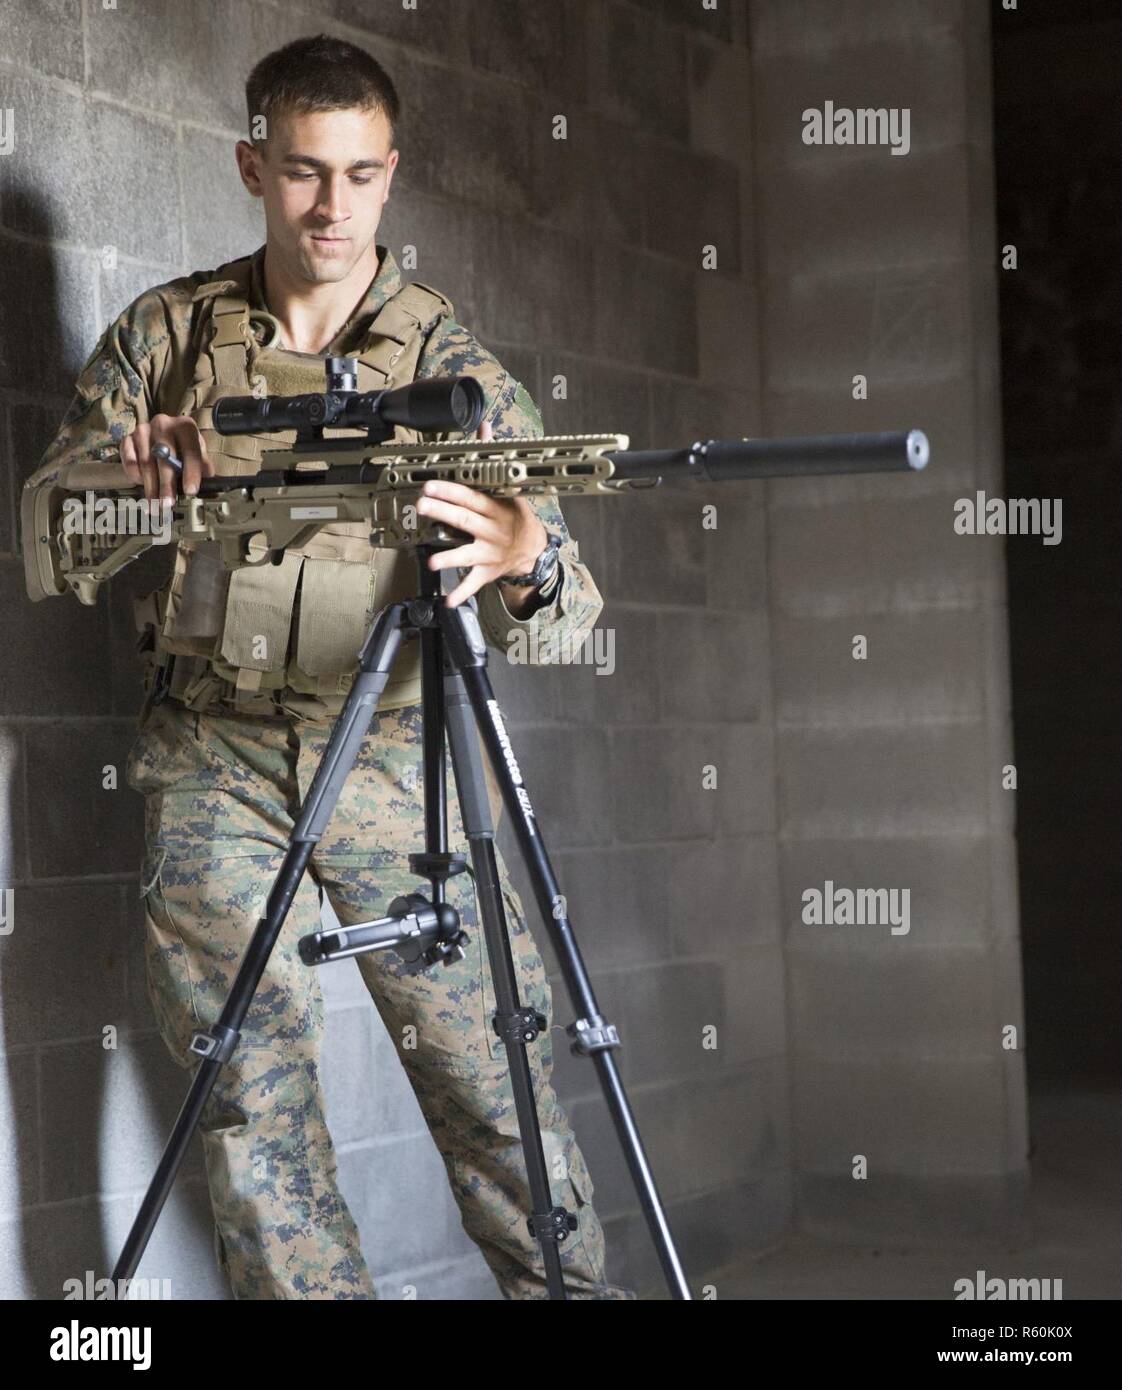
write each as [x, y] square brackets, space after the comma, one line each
[286, 634]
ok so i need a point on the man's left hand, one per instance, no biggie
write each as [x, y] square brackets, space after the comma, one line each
[509, 535]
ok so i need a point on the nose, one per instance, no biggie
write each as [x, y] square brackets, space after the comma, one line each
[332, 205]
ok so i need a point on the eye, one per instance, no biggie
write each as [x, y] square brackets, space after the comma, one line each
[301, 178]
[356, 179]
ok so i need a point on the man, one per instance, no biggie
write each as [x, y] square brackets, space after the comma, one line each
[248, 668]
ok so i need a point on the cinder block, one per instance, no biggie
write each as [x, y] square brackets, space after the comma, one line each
[64, 964]
[756, 1030]
[616, 677]
[892, 325]
[210, 177]
[654, 550]
[76, 825]
[85, 160]
[922, 73]
[56, 662]
[106, 1116]
[618, 904]
[565, 779]
[917, 781]
[663, 1012]
[489, 160]
[948, 879]
[426, 236]
[863, 559]
[720, 92]
[553, 300]
[713, 1136]
[933, 1116]
[823, 216]
[367, 1093]
[714, 23]
[661, 783]
[714, 667]
[129, 53]
[703, 211]
[47, 38]
[20, 1140]
[711, 1231]
[729, 350]
[777, 27]
[901, 1210]
[682, 412]
[55, 1243]
[437, 27]
[600, 399]
[13, 807]
[399, 1196]
[736, 555]
[573, 185]
[538, 43]
[919, 666]
[52, 299]
[644, 310]
[182, 1246]
[869, 997]
[722, 896]
[637, 70]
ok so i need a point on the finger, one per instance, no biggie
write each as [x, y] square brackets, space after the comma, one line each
[471, 584]
[464, 496]
[142, 443]
[462, 557]
[486, 431]
[189, 446]
[483, 528]
[127, 452]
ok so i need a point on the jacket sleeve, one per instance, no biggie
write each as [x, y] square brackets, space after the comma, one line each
[115, 391]
[552, 634]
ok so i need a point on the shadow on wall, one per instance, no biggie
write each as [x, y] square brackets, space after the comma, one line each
[89, 1091]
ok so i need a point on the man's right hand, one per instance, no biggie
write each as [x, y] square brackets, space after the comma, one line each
[181, 435]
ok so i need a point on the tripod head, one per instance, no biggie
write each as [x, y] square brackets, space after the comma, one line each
[431, 405]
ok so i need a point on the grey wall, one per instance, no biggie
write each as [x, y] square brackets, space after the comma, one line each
[582, 260]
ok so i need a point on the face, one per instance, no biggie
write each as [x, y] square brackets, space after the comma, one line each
[324, 177]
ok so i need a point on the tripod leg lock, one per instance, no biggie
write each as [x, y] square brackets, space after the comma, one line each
[555, 1225]
[216, 1046]
[591, 1035]
[520, 1027]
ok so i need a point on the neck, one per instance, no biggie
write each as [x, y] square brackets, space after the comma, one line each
[312, 314]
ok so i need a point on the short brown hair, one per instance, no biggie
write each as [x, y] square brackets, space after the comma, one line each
[320, 74]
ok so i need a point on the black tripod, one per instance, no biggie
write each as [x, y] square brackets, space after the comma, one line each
[455, 687]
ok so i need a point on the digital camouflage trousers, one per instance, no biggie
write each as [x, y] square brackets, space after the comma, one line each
[221, 793]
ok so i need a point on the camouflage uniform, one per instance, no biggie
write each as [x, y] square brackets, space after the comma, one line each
[223, 784]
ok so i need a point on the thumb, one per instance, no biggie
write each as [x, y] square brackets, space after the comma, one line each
[485, 431]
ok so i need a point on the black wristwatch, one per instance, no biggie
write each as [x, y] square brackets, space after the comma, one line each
[544, 568]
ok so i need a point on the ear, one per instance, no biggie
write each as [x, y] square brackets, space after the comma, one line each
[249, 158]
[391, 165]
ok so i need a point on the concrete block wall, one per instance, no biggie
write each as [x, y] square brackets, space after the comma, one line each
[579, 262]
[889, 769]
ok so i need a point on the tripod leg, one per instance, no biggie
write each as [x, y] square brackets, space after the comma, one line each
[593, 1036]
[518, 1026]
[218, 1044]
